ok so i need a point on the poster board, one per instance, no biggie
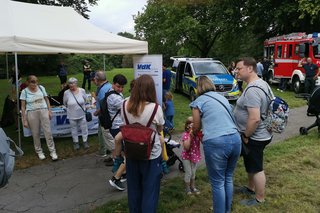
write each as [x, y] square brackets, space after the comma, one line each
[150, 65]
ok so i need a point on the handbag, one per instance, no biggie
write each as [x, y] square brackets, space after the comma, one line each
[87, 114]
[138, 139]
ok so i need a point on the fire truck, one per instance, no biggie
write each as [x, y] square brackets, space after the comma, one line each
[285, 52]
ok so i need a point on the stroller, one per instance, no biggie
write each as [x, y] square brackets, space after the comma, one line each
[170, 146]
[313, 110]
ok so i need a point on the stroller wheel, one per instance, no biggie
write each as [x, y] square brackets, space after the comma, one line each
[303, 131]
[181, 168]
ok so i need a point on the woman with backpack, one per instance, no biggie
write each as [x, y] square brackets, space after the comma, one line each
[143, 176]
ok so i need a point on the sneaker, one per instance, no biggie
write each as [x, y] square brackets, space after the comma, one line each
[278, 89]
[165, 168]
[123, 177]
[86, 145]
[102, 155]
[109, 163]
[116, 164]
[188, 192]
[108, 159]
[41, 156]
[116, 183]
[54, 156]
[250, 202]
[244, 190]
[195, 191]
[76, 146]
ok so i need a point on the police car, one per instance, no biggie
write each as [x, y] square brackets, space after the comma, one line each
[186, 70]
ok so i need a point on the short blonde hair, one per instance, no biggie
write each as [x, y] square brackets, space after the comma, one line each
[204, 84]
[169, 96]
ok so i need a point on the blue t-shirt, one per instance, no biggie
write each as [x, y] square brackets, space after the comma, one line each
[259, 69]
[101, 91]
[167, 76]
[169, 111]
[215, 119]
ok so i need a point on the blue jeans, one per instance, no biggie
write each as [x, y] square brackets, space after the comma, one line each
[221, 156]
[143, 180]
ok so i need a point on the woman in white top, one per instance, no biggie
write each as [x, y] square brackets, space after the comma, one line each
[36, 114]
[143, 176]
[75, 100]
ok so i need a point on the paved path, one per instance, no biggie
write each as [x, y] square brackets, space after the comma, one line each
[80, 184]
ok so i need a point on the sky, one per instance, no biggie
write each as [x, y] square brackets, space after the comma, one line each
[116, 15]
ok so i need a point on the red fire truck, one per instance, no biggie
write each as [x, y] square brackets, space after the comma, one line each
[286, 51]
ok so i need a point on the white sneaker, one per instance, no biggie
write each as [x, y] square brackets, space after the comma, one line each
[54, 156]
[41, 156]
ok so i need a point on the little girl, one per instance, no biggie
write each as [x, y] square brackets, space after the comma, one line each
[190, 156]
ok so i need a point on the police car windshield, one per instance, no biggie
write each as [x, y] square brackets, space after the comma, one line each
[208, 67]
[316, 51]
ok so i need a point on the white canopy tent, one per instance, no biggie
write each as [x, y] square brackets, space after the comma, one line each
[40, 29]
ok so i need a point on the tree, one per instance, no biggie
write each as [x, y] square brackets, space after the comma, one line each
[185, 27]
[81, 6]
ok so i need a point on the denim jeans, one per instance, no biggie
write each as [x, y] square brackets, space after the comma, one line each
[222, 154]
[143, 180]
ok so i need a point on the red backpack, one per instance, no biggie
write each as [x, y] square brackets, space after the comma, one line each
[138, 139]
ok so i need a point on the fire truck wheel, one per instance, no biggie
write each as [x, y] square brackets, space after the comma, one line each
[296, 85]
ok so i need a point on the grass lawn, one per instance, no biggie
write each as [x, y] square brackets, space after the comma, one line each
[292, 168]
[64, 145]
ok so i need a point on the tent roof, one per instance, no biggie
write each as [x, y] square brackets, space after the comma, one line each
[34, 28]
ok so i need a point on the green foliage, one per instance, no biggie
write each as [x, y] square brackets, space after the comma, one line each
[81, 6]
[222, 29]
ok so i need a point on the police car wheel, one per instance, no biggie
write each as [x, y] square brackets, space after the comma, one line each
[192, 95]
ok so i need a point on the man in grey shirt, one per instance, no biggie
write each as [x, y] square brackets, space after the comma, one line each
[250, 107]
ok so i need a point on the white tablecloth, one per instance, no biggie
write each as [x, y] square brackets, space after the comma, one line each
[60, 126]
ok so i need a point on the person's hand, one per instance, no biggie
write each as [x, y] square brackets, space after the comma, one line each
[315, 77]
[96, 113]
[244, 138]
[25, 123]
[50, 114]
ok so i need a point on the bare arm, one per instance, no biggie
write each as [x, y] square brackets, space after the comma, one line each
[23, 113]
[252, 123]
[49, 106]
[186, 143]
[196, 120]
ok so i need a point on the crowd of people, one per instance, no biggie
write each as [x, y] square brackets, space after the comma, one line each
[242, 129]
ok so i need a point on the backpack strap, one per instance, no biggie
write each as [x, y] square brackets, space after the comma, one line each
[124, 112]
[270, 99]
[225, 109]
[106, 97]
[153, 114]
[150, 120]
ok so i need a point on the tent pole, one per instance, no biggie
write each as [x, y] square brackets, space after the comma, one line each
[17, 94]
[7, 64]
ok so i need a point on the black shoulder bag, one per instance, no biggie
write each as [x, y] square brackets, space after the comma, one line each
[87, 114]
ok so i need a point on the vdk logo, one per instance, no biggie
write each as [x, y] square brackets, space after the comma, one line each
[62, 119]
[144, 66]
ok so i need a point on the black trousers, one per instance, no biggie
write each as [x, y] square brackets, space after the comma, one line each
[309, 85]
[86, 77]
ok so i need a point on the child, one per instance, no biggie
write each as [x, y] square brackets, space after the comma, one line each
[169, 110]
[190, 156]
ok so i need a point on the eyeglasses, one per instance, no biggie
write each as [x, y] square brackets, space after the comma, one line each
[33, 81]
